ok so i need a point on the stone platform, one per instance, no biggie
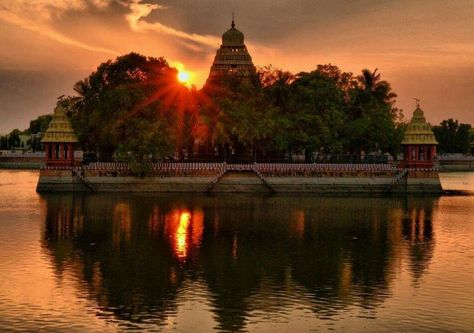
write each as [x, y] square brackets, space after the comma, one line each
[213, 178]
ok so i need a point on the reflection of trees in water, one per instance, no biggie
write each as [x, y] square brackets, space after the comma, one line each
[254, 254]
[134, 281]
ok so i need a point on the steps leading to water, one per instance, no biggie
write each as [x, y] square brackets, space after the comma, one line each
[236, 169]
[78, 172]
[395, 180]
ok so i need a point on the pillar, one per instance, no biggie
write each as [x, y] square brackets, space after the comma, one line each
[61, 151]
[57, 152]
[70, 153]
[46, 147]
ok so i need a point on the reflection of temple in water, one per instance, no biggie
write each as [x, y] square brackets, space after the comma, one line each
[252, 254]
[418, 233]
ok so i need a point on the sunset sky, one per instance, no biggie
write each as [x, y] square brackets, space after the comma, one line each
[424, 48]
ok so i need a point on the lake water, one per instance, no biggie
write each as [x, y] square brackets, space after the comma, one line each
[99, 263]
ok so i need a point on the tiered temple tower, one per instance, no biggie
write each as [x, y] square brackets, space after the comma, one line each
[59, 140]
[232, 56]
[419, 143]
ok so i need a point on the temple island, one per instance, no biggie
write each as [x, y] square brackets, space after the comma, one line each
[415, 174]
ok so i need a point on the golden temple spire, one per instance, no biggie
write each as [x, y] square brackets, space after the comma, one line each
[59, 129]
[418, 130]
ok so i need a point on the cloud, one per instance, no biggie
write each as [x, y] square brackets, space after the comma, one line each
[50, 18]
[40, 15]
[139, 11]
[37, 15]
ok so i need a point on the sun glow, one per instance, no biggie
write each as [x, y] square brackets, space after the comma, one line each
[184, 77]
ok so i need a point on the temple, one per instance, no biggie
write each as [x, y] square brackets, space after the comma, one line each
[419, 143]
[59, 140]
[415, 174]
[232, 56]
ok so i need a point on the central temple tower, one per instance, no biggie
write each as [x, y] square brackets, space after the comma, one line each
[232, 56]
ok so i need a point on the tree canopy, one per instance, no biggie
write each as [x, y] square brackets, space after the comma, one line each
[453, 137]
[133, 108]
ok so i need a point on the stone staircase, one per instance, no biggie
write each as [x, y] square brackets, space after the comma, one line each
[216, 179]
[238, 168]
[397, 179]
[262, 178]
[78, 172]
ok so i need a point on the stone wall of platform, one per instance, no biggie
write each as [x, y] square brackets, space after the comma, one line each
[417, 182]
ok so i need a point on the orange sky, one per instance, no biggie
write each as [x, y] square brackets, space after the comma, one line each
[424, 48]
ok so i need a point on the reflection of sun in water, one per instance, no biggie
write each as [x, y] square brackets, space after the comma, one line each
[184, 77]
[181, 235]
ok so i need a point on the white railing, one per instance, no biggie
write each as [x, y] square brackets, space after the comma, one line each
[38, 154]
[261, 167]
[20, 154]
[454, 157]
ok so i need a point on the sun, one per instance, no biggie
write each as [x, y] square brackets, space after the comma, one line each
[184, 77]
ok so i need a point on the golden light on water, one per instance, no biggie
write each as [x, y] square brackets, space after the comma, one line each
[181, 235]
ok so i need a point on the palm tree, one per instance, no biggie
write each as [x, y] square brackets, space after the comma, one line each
[373, 87]
[81, 88]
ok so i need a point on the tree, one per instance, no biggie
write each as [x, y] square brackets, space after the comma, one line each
[372, 118]
[4, 142]
[40, 124]
[133, 109]
[453, 137]
[112, 104]
[317, 114]
[14, 139]
[372, 87]
[238, 118]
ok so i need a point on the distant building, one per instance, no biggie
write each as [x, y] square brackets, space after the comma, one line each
[232, 56]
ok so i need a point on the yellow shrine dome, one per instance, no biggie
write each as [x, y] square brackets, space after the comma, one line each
[418, 130]
[60, 129]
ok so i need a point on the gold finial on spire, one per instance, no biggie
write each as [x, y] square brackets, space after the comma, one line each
[417, 102]
[233, 23]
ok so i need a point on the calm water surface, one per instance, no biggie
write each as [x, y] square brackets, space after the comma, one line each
[99, 263]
